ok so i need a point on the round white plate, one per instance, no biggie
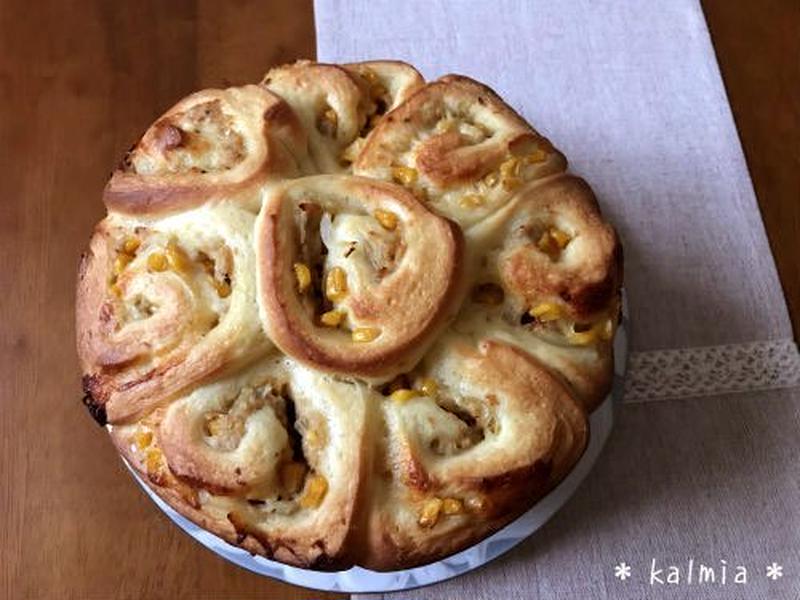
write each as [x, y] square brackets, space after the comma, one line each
[358, 580]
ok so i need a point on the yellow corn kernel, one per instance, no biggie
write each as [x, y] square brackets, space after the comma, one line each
[328, 122]
[336, 284]
[303, 276]
[553, 241]
[387, 219]
[365, 334]
[404, 175]
[314, 492]
[546, 311]
[152, 460]
[223, 288]
[215, 424]
[176, 258]
[491, 179]
[403, 395]
[489, 294]
[452, 506]
[535, 157]
[143, 438]
[471, 201]
[292, 475]
[509, 168]
[121, 262]
[446, 125]
[157, 262]
[131, 245]
[116, 290]
[429, 387]
[561, 237]
[332, 318]
[583, 338]
[429, 515]
[475, 504]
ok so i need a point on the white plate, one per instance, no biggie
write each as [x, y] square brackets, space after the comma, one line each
[358, 580]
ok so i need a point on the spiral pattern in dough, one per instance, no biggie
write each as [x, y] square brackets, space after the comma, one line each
[355, 277]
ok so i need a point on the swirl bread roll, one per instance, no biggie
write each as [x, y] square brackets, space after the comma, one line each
[355, 277]
[459, 148]
[488, 431]
[548, 280]
[340, 105]
[162, 305]
[345, 317]
[276, 453]
[212, 142]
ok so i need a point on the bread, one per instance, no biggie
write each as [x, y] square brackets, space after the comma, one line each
[346, 317]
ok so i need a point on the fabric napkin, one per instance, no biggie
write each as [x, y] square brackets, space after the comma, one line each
[632, 94]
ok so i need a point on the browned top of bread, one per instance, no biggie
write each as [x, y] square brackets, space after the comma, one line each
[346, 316]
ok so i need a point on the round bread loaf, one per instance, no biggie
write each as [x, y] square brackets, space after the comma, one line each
[346, 317]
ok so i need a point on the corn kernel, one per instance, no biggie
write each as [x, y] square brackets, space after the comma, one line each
[404, 175]
[387, 219]
[215, 424]
[452, 506]
[471, 201]
[429, 387]
[509, 168]
[121, 262]
[336, 284]
[582, 338]
[403, 395]
[116, 290]
[177, 258]
[292, 475]
[365, 334]
[303, 276]
[535, 157]
[143, 438]
[314, 492]
[131, 245]
[546, 311]
[157, 262]
[489, 294]
[223, 288]
[552, 242]
[429, 515]
[328, 122]
[152, 460]
[561, 237]
[491, 179]
[332, 318]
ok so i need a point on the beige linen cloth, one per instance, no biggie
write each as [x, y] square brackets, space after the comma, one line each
[631, 92]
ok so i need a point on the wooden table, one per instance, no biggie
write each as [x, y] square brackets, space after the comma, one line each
[79, 81]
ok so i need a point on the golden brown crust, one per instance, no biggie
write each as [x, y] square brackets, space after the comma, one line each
[340, 105]
[401, 283]
[394, 359]
[211, 143]
[499, 433]
[264, 517]
[145, 333]
[467, 151]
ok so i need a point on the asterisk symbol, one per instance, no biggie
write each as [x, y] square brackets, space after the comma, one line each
[622, 571]
[774, 571]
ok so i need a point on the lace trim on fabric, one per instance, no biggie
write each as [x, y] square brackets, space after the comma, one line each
[712, 370]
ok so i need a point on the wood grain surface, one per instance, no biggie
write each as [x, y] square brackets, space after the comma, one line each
[79, 81]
